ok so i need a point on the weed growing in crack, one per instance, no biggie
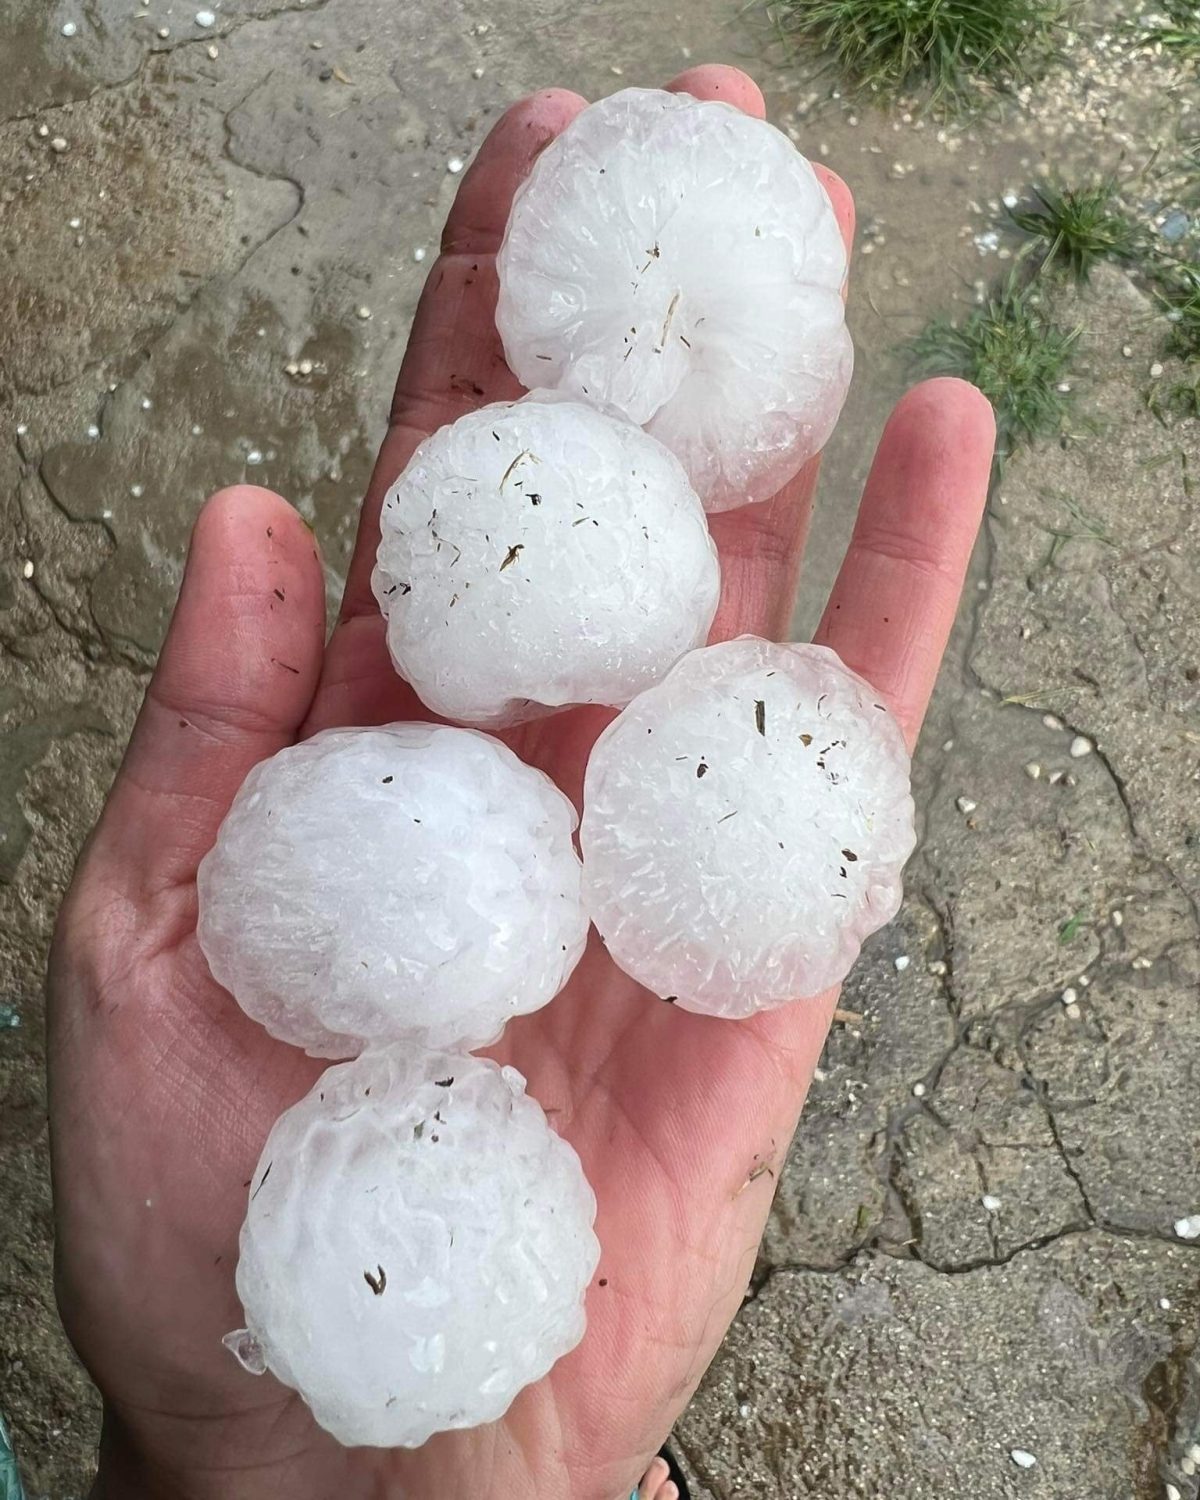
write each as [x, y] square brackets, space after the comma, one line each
[1014, 352]
[1076, 228]
[952, 49]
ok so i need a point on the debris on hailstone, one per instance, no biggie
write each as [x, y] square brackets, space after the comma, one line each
[409, 881]
[540, 553]
[681, 261]
[745, 826]
[416, 1248]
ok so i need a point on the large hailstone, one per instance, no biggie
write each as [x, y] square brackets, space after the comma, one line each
[416, 1249]
[745, 826]
[413, 880]
[679, 260]
[537, 554]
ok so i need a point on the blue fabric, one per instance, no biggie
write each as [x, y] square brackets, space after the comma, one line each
[10, 1480]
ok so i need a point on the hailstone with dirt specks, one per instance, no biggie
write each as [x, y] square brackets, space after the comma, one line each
[745, 825]
[541, 553]
[681, 261]
[416, 1248]
[411, 881]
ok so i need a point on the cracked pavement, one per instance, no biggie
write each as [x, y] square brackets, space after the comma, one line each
[972, 1249]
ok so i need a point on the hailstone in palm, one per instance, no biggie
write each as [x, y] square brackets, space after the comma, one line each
[745, 825]
[541, 553]
[412, 880]
[681, 261]
[416, 1249]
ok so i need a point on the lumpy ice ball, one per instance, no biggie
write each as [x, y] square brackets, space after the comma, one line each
[537, 554]
[416, 1249]
[680, 260]
[413, 880]
[745, 826]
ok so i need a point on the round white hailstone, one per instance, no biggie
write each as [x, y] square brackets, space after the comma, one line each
[541, 553]
[681, 261]
[410, 881]
[745, 826]
[416, 1249]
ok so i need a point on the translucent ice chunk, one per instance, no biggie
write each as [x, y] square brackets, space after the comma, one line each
[681, 261]
[417, 1246]
[413, 880]
[537, 554]
[745, 826]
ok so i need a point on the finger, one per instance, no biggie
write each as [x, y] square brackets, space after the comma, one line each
[895, 598]
[720, 81]
[761, 546]
[455, 361]
[234, 681]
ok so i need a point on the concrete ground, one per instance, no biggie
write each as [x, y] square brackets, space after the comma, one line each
[972, 1283]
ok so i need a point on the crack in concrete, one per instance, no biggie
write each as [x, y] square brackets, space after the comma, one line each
[205, 39]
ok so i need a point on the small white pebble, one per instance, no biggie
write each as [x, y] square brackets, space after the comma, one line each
[146, 403]
[745, 1409]
[419, 254]
[254, 456]
[22, 429]
[137, 490]
[291, 368]
[947, 746]
[1072, 1012]
[1173, 1493]
[1070, 995]
[1064, 387]
[1156, 370]
[305, 367]
[1193, 1448]
[27, 568]
[1032, 770]
[69, 28]
[1186, 1229]
[1187, 1467]
[74, 223]
[1117, 918]
[1022, 1458]
[618, 71]
[205, 18]
[164, 32]
[1055, 777]
[364, 312]
[58, 144]
[1052, 721]
[1081, 746]
[919, 1090]
[1127, 350]
[43, 131]
[196, 429]
[476, 72]
[212, 52]
[938, 967]
[902, 963]
[93, 431]
[991, 1203]
[455, 165]
[965, 805]
[1141, 963]
[1165, 1303]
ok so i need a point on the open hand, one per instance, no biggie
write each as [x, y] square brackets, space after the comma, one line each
[162, 1091]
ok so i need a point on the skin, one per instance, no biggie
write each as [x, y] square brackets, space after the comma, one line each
[162, 1091]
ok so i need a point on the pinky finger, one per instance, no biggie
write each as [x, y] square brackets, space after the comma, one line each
[895, 598]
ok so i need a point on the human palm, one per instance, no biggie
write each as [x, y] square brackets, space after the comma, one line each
[162, 1091]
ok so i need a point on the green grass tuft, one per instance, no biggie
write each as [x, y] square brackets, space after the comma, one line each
[945, 46]
[1179, 290]
[1075, 228]
[1017, 356]
[1173, 25]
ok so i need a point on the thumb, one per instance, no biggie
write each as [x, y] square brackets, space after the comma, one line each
[234, 681]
